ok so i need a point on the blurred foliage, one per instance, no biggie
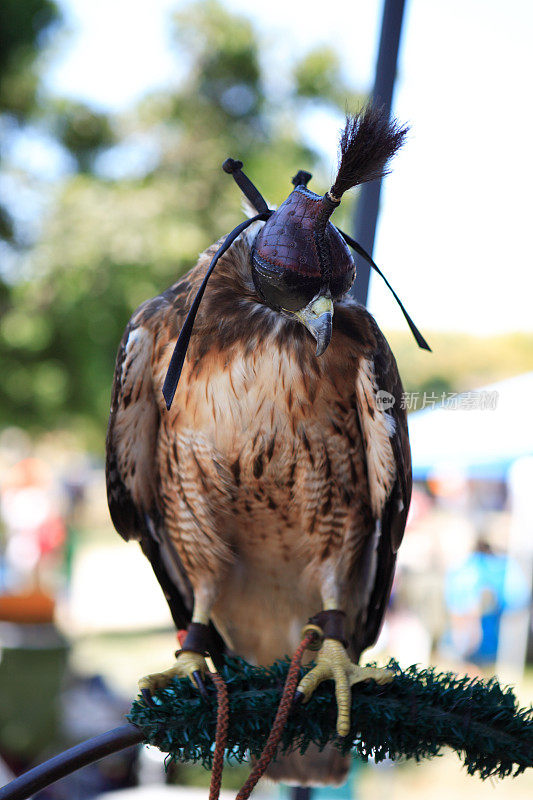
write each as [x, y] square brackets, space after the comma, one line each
[83, 131]
[319, 77]
[23, 25]
[27, 29]
[317, 74]
[6, 224]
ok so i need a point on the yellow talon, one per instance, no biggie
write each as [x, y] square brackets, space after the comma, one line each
[186, 664]
[333, 663]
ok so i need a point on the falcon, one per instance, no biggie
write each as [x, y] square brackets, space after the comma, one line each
[269, 484]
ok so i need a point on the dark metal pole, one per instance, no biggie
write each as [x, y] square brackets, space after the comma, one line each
[367, 209]
[85, 753]
[301, 793]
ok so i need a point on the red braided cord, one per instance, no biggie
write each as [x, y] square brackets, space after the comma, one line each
[282, 713]
[220, 735]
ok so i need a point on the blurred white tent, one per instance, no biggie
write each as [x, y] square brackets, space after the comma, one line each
[488, 434]
[479, 433]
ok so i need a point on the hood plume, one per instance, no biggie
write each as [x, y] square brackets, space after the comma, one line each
[369, 140]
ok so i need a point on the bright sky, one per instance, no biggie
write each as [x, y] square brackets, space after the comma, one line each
[454, 234]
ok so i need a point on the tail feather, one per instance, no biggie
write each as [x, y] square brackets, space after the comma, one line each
[315, 767]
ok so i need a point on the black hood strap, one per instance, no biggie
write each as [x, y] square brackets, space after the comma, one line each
[421, 342]
[180, 350]
[251, 192]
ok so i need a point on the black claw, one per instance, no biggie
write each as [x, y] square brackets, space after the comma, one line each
[197, 675]
[147, 697]
[297, 699]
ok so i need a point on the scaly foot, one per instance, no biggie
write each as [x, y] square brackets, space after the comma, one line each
[188, 665]
[334, 663]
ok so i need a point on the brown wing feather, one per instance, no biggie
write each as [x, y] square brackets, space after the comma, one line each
[379, 559]
[394, 516]
[388, 378]
[132, 434]
[131, 472]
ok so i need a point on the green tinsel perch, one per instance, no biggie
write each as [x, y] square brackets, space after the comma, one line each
[415, 716]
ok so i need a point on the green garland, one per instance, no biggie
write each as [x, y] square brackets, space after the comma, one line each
[414, 716]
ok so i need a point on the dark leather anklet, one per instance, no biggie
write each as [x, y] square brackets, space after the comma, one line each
[332, 624]
[198, 639]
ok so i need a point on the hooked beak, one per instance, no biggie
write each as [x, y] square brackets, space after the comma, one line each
[317, 317]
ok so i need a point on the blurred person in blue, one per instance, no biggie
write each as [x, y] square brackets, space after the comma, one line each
[478, 592]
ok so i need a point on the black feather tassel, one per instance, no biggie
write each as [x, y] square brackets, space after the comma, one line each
[369, 140]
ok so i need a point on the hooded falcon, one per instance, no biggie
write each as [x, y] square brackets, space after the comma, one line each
[269, 484]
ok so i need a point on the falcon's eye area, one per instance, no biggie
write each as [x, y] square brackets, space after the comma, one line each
[340, 284]
[283, 288]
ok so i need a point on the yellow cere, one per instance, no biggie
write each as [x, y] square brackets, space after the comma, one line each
[322, 305]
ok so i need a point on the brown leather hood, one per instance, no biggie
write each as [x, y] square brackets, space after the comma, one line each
[287, 258]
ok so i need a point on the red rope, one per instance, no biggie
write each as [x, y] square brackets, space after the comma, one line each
[220, 735]
[282, 714]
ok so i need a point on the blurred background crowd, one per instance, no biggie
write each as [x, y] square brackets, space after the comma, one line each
[114, 119]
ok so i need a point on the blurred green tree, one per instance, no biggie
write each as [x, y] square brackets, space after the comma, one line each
[82, 130]
[27, 29]
[34, 380]
[319, 77]
[24, 25]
